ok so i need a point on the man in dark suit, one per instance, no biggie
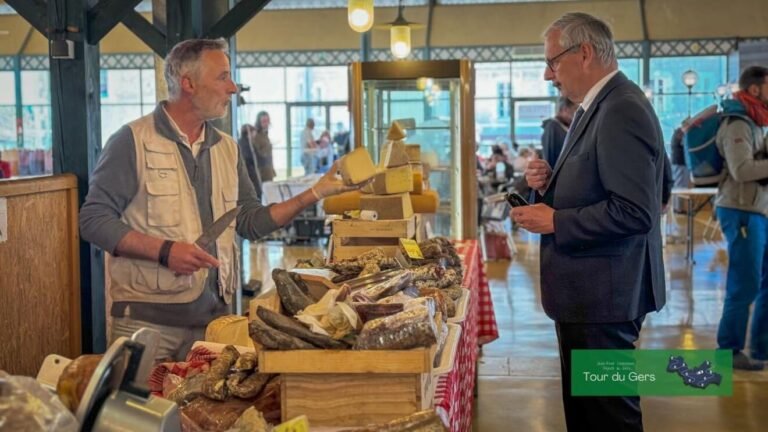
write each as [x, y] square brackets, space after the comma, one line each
[555, 128]
[598, 211]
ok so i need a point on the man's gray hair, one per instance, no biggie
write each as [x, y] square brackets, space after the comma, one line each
[577, 28]
[184, 59]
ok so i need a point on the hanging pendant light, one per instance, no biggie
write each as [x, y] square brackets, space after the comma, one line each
[360, 15]
[400, 35]
[400, 41]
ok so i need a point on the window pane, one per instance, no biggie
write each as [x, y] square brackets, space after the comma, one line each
[37, 127]
[7, 127]
[35, 87]
[667, 73]
[529, 116]
[148, 95]
[528, 80]
[115, 116]
[492, 80]
[673, 109]
[120, 86]
[670, 96]
[316, 84]
[492, 124]
[7, 89]
[631, 68]
[267, 84]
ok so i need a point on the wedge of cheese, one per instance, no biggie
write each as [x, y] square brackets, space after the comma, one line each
[397, 206]
[357, 166]
[414, 152]
[418, 177]
[391, 181]
[395, 132]
[427, 202]
[393, 155]
[229, 330]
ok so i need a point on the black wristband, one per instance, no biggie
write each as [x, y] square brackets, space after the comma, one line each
[165, 251]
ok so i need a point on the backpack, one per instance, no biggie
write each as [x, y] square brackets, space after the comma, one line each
[702, 157]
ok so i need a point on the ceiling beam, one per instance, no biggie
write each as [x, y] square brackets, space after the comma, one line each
[146, 31]
[236, 18]
[34, 12]
[430, 16]
[105, 15]
[644, 20]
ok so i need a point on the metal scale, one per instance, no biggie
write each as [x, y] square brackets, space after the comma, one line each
[117, 398]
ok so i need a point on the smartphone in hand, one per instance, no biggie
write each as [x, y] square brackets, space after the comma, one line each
[515, 199]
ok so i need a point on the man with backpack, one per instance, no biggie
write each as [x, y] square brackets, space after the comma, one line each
[742, 207]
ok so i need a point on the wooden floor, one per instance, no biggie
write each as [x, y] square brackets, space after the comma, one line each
[519, 383]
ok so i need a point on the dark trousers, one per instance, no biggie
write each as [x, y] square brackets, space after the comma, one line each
[589, 413]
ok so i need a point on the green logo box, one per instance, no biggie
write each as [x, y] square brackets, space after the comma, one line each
[644, 373]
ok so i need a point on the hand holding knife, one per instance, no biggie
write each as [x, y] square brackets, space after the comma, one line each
[188, 258]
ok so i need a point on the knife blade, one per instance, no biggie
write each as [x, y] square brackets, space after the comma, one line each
[217, 228]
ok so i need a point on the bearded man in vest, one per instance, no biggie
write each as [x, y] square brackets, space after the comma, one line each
[160, 182]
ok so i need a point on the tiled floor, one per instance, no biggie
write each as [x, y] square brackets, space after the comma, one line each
[519, 384]
[519, 387]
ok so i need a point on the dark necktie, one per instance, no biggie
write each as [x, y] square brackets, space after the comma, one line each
[576, 117]
[574, 123]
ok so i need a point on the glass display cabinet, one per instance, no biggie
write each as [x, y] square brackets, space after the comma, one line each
[434, 102]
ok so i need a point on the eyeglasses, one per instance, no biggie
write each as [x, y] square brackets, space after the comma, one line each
[552, 63]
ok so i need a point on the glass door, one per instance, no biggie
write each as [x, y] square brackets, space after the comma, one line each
[326, 118]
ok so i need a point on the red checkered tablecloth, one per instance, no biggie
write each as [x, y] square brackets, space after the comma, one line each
[455, 390]
[475, 280]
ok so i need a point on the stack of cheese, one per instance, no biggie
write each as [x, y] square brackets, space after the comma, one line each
[398, 188]
[389, 193]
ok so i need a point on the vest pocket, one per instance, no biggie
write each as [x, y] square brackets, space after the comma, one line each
[151, 278]
[230, 199]
[163, 202]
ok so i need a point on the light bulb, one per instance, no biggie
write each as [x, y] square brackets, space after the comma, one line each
[400, 41]
[360, 15]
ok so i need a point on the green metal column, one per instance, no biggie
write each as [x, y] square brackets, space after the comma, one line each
[76, 123]
[19, 102]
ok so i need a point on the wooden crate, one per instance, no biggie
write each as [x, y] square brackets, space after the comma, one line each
[356, 228]
[352, 238]
[351, 388]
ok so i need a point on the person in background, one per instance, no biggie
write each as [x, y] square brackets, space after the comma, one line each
[555, 128]
[524, 155]
[309, 148]
[5, 168]
[599, 214]
[324, 152]
[160, 182]
[249, 157]
[341, 139]
[498, 168]
[262, 147]
[742, 206]
[680, 175]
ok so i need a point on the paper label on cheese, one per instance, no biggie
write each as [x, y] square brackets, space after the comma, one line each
[412, 248]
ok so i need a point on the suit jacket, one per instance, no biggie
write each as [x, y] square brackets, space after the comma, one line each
[552, 139]
[604, 261]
